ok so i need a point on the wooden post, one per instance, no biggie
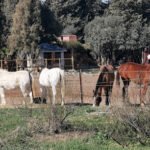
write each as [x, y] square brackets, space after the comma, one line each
[72, 59]
[81, 88]
[46, 63]
[1, 63]
[62, 62]
[59, 63]
[16, 65]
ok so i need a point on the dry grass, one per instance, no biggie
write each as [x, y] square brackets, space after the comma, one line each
[61, 136]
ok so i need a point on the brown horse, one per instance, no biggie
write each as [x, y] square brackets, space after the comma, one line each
[138, 73]
[105, 82]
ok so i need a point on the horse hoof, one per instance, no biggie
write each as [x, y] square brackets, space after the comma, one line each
[62, 104]
[107, 108]
[93, 105]
[142, 105]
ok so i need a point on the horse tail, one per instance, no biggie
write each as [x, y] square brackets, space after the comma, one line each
[117, 75]
[31, 84]
[62, 80]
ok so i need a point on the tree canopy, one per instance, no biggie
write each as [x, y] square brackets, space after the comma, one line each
[123, 27]
[26, 27]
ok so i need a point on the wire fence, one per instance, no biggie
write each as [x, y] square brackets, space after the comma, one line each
[17, 64]
[79, 86]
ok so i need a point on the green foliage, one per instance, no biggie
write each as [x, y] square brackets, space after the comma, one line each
[26, 27]
[74, 14]
[49, 23]
[131, 126]
[19, 127]
[123, 27]
[106, 34]
[3, 53]
[73, 45]
[7, 8]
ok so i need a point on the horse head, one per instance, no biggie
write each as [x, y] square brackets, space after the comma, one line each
[96, 99]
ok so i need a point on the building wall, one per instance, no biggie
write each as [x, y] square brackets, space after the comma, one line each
[68, 38]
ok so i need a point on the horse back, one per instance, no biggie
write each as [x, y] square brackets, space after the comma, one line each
[11, 80]
[135, 72]
[49, 77]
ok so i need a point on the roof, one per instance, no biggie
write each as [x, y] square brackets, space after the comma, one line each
[68, 35]
[45, 47]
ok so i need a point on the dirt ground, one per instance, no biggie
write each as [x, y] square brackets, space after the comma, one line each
[73, 90]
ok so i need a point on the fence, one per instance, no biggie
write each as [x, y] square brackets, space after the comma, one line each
[79, 86]
[17, 64]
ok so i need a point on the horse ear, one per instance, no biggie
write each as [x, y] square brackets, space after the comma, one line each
[39, 69]
[98, 64]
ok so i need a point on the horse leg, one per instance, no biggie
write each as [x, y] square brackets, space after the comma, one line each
[24, 93]
[99, 99]
[125, 88]
[94, 102]
[108, 91]
[43, 91]
[2, 96]
[54, 94]
[31, 97]
[142, 103]
[29, 92]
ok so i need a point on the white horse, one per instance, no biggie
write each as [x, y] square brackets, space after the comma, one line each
[11, 80]
[50, 78]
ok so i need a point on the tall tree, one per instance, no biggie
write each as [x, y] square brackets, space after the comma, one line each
[26, 27]
[105, 34]
[1, 27]
[50, 24]
[6, 11]
[75, 14]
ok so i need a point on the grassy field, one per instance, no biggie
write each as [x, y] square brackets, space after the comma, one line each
[84, 128]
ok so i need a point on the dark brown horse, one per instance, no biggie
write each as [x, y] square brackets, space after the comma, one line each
[138, 73]
[105, 82]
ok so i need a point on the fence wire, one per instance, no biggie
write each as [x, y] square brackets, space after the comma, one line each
[79, 86]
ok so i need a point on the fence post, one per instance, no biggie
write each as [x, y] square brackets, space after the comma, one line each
[1, 63]
[59, 63]
[46, 62]
[81, 88]
[72, 59]
[16, 65]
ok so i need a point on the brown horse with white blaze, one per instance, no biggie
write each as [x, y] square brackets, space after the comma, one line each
[104, 82]
[138, 73]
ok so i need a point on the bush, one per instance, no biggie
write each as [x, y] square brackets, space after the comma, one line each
[131, 126]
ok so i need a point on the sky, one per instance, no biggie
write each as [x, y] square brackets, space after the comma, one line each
[42, 1]
[106, 1]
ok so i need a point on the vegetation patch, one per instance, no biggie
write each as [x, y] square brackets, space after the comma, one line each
[26, 128]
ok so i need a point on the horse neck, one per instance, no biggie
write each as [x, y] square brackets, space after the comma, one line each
[103, 71]
[110, 67]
